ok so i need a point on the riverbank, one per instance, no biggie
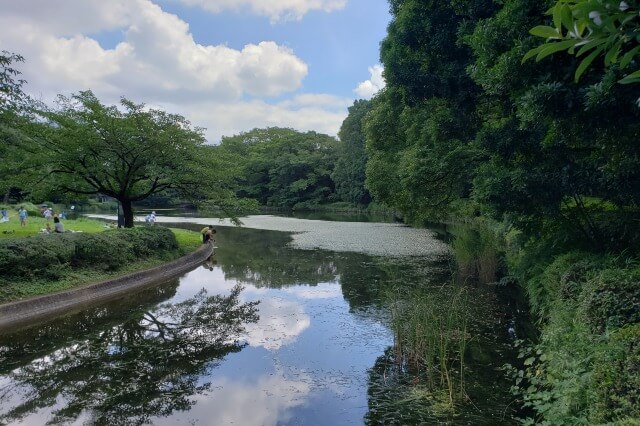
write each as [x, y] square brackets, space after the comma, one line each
[36, 309]
[581, 364]
[34, 264]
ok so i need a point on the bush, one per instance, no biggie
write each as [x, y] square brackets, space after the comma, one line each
[618, 377]
[48, 256]
[563, 280]
[612, 298]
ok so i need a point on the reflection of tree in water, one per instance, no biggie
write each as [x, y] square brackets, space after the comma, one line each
[262, 258]
[148, 366]
[20, 348]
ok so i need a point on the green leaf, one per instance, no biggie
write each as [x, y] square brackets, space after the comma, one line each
[557, 16]
[530, 54]
[612, 54]
[586, 62]
[545, 31]
[551, 48]
[590, 45]
[566, 17]
[529, 361]
[631, 78]
[628, 57]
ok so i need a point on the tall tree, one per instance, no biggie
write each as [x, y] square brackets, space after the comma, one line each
[283, 167]
[13, 102]
[562, 156]
[420, 132]
[86, 147]
[349, 172]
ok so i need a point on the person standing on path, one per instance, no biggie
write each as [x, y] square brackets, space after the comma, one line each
[5, 216]
[22, 214]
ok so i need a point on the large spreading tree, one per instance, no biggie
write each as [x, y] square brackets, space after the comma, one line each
[128, 152]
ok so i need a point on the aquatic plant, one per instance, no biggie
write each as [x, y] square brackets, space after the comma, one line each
[430, 331]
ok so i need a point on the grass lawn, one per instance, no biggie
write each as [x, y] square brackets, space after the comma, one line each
[11, 289]
[12, 229]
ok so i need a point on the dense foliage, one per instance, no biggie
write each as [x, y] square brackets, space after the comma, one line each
[282, 167]
[465, 128]
[349, 172]
[601, 28]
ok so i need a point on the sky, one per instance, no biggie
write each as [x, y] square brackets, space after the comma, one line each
[227, 65]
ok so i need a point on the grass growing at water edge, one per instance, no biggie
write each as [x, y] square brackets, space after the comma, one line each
[430, 331]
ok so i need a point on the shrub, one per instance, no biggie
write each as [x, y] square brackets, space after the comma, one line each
[48, 256]
[618, 377]
[562, 280]
[612, 298]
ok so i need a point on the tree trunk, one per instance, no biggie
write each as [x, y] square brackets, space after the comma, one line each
[127, 211]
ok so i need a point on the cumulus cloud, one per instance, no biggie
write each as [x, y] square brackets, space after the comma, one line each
[280, 324]
[276, 10]
[157, 59]
[231, 118]
[158, 62]
[370, 87]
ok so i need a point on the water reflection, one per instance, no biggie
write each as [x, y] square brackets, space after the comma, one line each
[149, 365]
[314, 351]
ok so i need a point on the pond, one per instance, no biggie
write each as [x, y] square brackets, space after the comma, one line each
[288, 323]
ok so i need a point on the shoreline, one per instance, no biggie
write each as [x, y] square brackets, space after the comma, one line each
[39, 309]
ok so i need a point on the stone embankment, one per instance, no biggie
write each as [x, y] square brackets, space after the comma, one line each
[40, 309]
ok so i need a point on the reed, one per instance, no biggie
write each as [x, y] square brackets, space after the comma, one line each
[475, 250]
[430, 332]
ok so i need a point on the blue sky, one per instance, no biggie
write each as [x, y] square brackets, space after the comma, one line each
[228, 65]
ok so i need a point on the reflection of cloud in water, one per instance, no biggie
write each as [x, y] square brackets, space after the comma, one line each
[321, 291]
[281, 322]
[266, 402]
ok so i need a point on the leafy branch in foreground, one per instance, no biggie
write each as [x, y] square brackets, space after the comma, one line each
[595, 28]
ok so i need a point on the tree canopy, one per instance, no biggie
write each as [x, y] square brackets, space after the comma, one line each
[282, 167]
[128, 153]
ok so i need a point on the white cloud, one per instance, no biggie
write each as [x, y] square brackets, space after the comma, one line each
[158, 62]
[276, 10]
[281, 322]
[265, 401]
[157, 59]
[370, 87]
[231, 118]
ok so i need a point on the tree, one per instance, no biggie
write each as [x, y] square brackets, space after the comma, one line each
[349, 172]
[86, 147]
[148, 365]
[13, 101]
[602, 28]
[421, 129]
[561, 157]
[282, 167]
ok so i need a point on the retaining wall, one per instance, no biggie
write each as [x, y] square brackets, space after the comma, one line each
[40, 309]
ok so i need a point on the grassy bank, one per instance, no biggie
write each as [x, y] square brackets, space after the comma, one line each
[583, 367]
[32, 263]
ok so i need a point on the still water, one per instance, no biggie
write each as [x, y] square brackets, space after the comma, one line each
[287, 324]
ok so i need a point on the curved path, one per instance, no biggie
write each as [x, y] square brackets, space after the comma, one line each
[39, 309]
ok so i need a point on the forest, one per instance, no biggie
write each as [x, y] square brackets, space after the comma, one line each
[519, 118]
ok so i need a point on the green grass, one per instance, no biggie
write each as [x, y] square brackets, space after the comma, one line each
[187, 240]
[35, 225]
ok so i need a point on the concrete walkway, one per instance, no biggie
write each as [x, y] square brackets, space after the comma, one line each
[39, 309]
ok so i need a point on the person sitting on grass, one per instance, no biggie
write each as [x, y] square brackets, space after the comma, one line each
[58, 226]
